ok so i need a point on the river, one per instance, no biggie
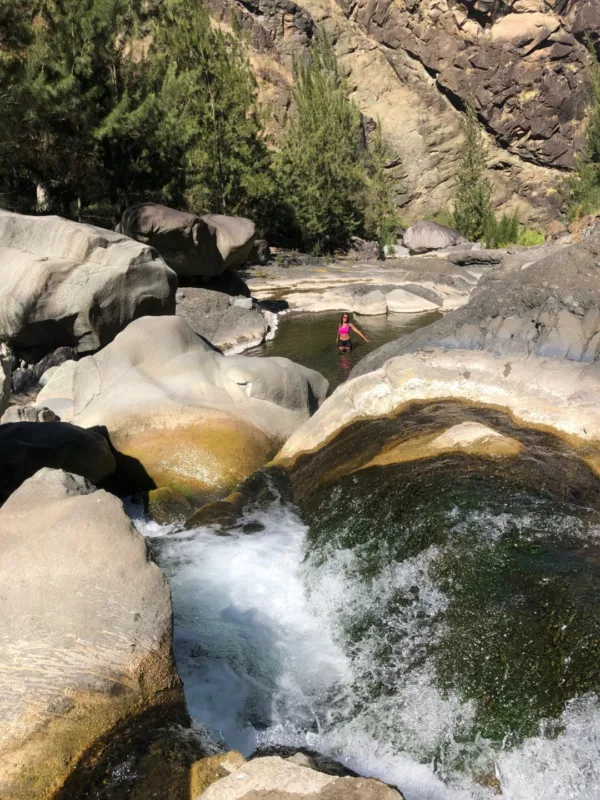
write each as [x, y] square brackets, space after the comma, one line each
[434, 624]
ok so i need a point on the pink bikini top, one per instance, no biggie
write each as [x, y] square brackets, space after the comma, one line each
[344, 328]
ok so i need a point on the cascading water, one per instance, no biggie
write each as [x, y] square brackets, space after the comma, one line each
[389, 642]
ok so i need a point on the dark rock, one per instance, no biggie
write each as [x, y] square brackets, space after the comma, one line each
[364, 250]
[215, 316]
[55, 359]
[468, 258]
[260, 253]
[26, 447]
[23, 380]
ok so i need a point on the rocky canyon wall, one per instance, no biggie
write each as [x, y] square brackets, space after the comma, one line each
[414, 64]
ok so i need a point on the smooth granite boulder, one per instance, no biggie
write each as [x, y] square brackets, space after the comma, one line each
[193, 245]
[85, 630]
[425, 236]
[64, 284]
[180, 413]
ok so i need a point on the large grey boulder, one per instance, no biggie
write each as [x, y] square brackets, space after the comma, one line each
[550, 308]
[228, 323]
[67, 284]
[191, 244]
[180, 412]
[426, 235]
[85, 630]
[26, 447]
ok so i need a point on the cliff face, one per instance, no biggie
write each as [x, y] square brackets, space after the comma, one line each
[414, 64]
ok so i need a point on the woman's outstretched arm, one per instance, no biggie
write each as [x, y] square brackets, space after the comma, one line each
[355, 329]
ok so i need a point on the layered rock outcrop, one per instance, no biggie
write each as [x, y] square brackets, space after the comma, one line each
[550, 308]
[86, 630]
[178, 412]
[414, 65]
[67, 284]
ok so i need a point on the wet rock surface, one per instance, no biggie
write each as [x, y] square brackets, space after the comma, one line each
[229, 323]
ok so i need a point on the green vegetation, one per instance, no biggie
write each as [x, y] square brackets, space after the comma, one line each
[473, 213]
[107, 103]
[473, 194]
[381, 220]
[583, 187]
[332, 186]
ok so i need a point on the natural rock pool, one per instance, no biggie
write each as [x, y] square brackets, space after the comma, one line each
[429, 619]
[309, 339]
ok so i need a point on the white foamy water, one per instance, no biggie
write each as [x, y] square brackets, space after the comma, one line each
[261, 645]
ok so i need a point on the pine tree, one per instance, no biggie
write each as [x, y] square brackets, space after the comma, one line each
[473, 193]
[320, 166]
[197, 106]
[71, 85]
[583, 188]
[381, 218]
[16, 34]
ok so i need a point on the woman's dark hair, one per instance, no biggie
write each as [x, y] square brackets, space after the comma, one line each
[345, 314]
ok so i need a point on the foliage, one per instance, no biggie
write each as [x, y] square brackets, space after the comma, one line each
[112, 121]
[583, 187]
[442, 217]
[321, 169]
[473, 193]
[504, 231]
[530, 237]
[381, 220]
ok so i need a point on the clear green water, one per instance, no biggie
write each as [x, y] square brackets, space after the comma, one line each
[309, 339]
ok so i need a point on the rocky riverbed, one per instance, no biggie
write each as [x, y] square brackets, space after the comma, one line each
[407, 590]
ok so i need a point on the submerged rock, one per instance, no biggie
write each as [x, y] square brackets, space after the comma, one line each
[86, 630]
[73, 285]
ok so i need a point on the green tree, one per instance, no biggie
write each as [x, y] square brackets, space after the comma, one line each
[583, 187]
[71, 84]
[473, 193]
[188, 118]
[381, 218]
[321, 163]
[16, 34]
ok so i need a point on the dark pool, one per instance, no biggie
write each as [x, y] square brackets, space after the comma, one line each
[309, 339]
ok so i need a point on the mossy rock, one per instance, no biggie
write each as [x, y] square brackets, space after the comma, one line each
[166, 505]
[205, 460]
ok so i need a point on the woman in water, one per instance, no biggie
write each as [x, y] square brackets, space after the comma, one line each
[343, 341]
